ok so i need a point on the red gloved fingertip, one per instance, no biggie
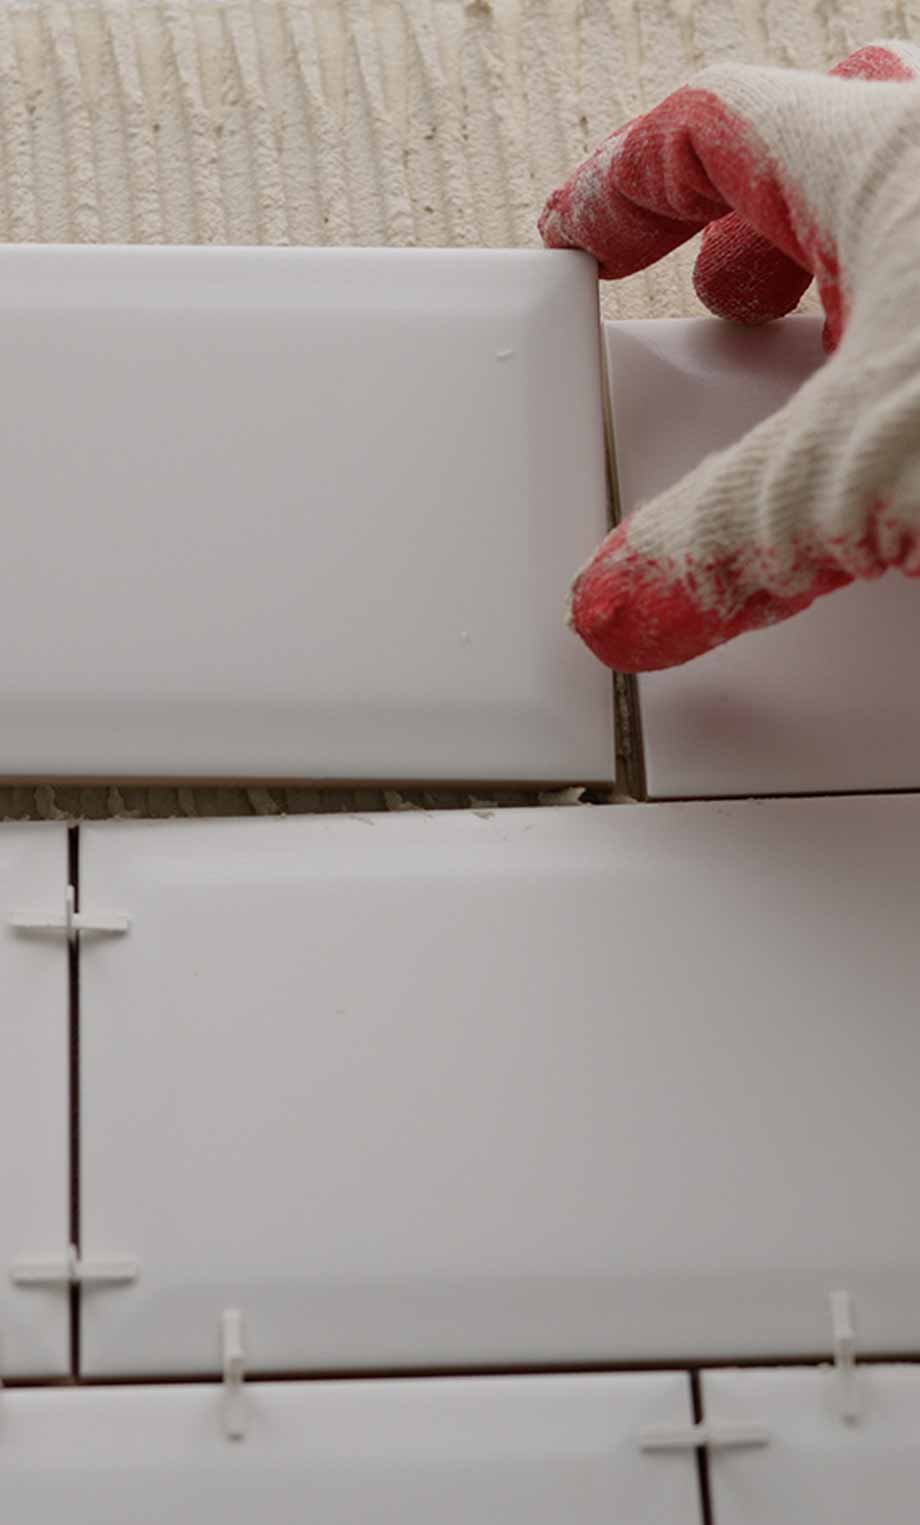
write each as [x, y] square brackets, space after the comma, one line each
[741, 276]
[634, 620]
[635, 617]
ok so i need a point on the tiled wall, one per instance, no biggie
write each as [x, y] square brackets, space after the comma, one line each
[475, 1132]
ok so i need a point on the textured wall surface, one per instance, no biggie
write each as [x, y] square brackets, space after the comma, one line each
[419, 122]
[357, 121]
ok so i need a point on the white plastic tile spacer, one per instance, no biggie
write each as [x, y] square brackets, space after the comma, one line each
[71, 921]
[691, 1437]
[233, 1355]
[70, 1270]
[844, 1337]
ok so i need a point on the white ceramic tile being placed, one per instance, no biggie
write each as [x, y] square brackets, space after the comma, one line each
[290, 513]
[824, 702]
[34, 1059]
[618, 1083]
[817, 1468]
[527, 1451]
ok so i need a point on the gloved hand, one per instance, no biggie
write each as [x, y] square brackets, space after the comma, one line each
[793, 174]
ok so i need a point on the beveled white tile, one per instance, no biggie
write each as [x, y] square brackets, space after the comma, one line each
[540, 1449]
[34, 1108]
[816, 1467]
[299, 513]
[823, 702]
[623, 1083]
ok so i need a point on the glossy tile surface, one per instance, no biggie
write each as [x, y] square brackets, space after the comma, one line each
[534, 1450]
[34, 1106]
[299, 513]
[622, 1083]
[824, 702]
[816, 1467]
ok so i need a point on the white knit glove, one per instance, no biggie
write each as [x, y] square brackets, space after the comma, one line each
[822, 178]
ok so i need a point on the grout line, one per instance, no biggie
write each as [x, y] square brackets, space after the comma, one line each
[693, 1370]
[630, 775]
[629, 744]
[783, 794]
[438, 795]
[73, 955]
[707, 1516]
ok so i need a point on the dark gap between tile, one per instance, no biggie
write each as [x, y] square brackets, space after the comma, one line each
[787, 794]
[693, 1369]
[73, 960]
[702, 1455]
